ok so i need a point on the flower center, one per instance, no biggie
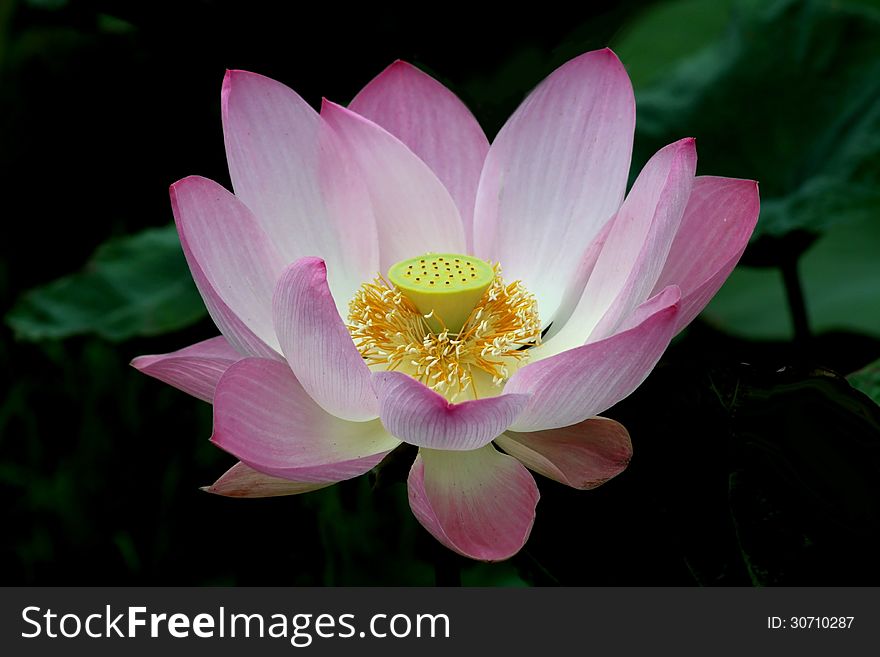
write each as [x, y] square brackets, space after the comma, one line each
[448, 320]
[444, 287]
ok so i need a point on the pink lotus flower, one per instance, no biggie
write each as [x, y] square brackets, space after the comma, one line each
[324, 366]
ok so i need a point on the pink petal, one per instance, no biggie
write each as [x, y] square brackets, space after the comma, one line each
[263, 416]
[633, 255]
[195, 369]
[575, 288]
[240, 337]
[579, 383]
[584, 455]
[435, 125]
[223, 240]
[414, 212]
[419, 416]
[243, 481]
[555, 173]
[480, 504]
[317, 344]
[719, 219]
[291, 170]
[668, 296]
[641, 237]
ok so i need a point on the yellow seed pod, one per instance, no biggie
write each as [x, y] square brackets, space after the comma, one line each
[445, 286]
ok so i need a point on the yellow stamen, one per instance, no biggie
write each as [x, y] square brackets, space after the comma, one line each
[391, 332]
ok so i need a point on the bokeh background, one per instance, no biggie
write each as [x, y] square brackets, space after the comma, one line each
[757, 438]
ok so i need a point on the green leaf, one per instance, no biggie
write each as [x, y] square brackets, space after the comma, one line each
[867, 380]
[841, 283]
[787, 97]
[135, 285]
[665, 33]
[803, 489]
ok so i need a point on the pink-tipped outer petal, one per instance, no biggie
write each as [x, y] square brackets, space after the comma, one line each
[290, 169]
[317, 344]
[414, 212]
[582, 382]
[641, 236]
[419, 416]
[583, 455]
[263, 416]
[195, 369]
[435, 125]
[240, 337]
[243, 481]
[719, 220]
[635, 250]
[555, 173]
[481, 503]
[226, 245]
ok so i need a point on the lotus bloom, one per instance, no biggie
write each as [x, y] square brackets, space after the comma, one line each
[383, 274]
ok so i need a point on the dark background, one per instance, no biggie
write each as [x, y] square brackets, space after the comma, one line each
[756, 462]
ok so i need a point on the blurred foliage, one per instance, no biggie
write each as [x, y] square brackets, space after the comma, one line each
[841, 282]
[754, 462]
[785, 93]
[696, 24]
[138, 285]
[867, 380]
[741, 475]
[787, 96]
